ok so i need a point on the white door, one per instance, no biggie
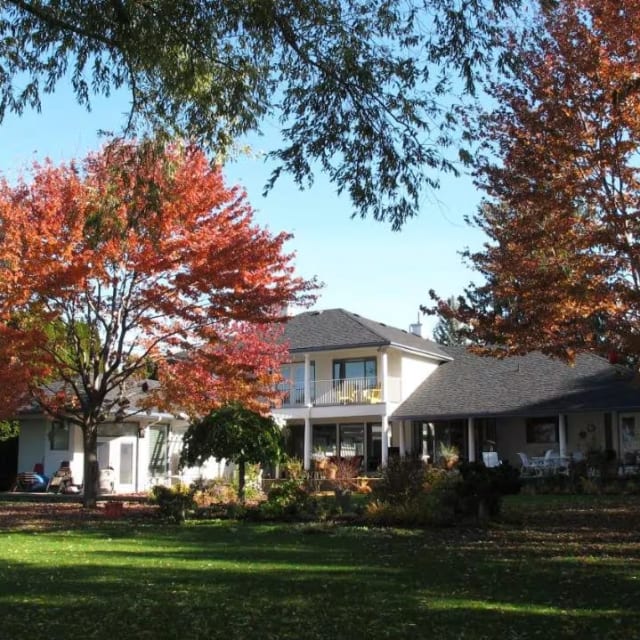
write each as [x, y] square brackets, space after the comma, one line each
[120, 454]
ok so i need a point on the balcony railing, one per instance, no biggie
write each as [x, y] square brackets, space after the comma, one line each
[337, 392]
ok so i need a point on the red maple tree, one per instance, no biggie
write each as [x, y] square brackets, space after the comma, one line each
[561, 174]
[137, 258]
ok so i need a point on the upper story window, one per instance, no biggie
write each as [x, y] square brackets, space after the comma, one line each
[59, 436]
[357, 369]
[293, 381]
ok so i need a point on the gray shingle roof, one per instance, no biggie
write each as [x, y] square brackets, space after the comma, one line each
[533, 384]
[341, 329]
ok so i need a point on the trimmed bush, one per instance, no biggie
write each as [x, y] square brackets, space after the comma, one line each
[173, 502]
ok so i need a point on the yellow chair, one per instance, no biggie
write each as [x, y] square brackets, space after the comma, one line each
[372, 395]
[346, 395]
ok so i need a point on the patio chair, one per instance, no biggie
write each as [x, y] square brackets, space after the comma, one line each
[372, 395]
[61, 479]
[554, 463]
[530, 467]
[490, 459]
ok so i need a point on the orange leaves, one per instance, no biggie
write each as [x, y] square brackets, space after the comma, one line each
[563, 261]
[140, 252]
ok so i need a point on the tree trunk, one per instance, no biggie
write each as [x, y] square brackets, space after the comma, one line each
[91, 472]
[241, 481]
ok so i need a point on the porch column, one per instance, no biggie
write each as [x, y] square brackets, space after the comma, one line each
[307, 380]
[401, 442]
[471, 440]
[385, 441]
[615, 432]
[307, 443]
[384, 366]
[562, 435]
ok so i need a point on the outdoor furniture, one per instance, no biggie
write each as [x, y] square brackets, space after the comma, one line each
[107, 480]
[531, 466]
[61, 479]
[371, 395]
[555, 463]
[490, 459]
[29, 481]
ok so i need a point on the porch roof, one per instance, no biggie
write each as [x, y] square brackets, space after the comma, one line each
[528, 385]
[341, 329]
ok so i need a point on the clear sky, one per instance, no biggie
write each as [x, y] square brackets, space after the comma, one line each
[365, 267]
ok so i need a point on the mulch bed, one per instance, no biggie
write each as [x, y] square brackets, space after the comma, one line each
[38, 516]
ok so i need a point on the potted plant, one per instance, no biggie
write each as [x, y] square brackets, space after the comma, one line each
[330, 470]
[449, 455]
[319, 458]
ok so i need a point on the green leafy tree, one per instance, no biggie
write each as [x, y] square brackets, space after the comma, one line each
[363, 88]
[234, 433]
[9, 429]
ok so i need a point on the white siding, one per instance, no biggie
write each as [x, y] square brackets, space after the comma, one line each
[414, 370]
[31, 445]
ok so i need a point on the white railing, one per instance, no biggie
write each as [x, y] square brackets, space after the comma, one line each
[335, 392]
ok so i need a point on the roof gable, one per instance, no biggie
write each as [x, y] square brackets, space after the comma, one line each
[340, 329]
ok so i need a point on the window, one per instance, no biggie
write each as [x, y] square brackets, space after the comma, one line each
[542, 430]
[59, 436]
[158, 450]
[293, 383]
[357, 369]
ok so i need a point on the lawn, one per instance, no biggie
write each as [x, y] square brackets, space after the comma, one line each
[554, 567]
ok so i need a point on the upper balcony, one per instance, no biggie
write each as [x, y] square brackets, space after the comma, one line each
[351, 391]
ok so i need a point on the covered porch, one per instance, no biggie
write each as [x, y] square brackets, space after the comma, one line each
[550, 441]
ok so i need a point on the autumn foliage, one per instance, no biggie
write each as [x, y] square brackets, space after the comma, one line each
[138, 259]
[560, 173]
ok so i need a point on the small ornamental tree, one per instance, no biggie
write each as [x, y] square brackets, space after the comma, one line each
[139, 258]
[237, 434]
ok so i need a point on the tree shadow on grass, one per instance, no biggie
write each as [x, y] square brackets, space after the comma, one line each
[226, 580]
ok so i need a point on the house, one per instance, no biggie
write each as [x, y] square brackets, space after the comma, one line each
[356, 387]
[347, 377]
[359, 387]
[142, 447]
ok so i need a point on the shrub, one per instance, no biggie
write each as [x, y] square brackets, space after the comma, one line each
[346, 471]
[287, 499]
[402, 480]
[482, 488]
[434, 504]
[173, 502]
[294, 469]
[214, 492]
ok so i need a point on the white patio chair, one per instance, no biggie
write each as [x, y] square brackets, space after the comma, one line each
[530, 467]
[490, 459]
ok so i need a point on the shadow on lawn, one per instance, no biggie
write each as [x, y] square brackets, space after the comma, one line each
[225, 580]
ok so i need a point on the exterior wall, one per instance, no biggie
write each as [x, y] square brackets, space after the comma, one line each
[211, 469]
[584, 431]
[511, 438]
[31, 445]
[34, 447]
[414, 370]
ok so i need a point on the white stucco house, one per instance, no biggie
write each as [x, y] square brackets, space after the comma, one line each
[141, 447]
[359, 387]
[356, 387]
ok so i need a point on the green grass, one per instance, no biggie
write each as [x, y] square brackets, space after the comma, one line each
[555, 567]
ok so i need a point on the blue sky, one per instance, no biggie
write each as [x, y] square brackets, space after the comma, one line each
[366, 268]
